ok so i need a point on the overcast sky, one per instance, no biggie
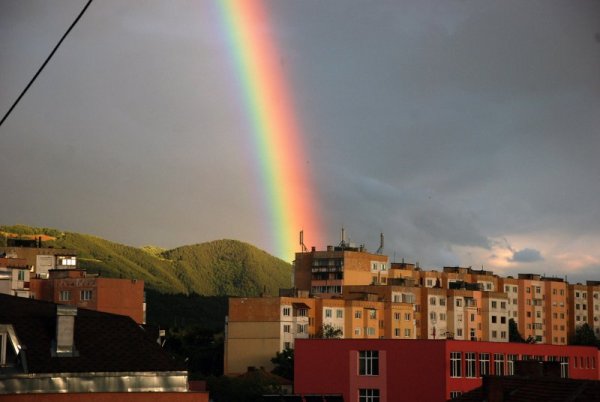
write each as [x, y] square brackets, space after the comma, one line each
[468, 132]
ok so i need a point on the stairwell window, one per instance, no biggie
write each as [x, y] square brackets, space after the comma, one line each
[368, 395]
[85, 295]
[64, 295]
[368, 362]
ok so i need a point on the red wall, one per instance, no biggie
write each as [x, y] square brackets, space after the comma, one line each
[413, 370]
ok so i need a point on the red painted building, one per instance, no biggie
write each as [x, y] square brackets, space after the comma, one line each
[77, 288]
[386, 370]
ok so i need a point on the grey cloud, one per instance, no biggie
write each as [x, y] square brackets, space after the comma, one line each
[526, 255]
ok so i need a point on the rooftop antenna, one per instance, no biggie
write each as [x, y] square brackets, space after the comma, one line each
[302, 241]
[343, 238]
[380, 249]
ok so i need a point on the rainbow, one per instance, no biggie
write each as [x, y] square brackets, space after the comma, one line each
[289, 193]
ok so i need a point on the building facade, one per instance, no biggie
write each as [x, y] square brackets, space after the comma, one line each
[386, 370]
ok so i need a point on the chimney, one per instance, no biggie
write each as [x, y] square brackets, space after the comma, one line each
[65, 330]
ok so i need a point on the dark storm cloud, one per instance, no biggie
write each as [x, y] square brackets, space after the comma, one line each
[447, 125]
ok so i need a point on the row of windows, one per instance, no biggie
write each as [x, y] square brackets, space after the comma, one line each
[406, 332]
[339, 313]
[372, 314]
[65, 295]
[301, 312]
[397, 316]
[502, 365]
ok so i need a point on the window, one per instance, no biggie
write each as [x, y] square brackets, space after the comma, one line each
[442, 301]
[287, 328]
[407, 316]
[368, 395]
[510, 364]
[455, 394]
[21, 275]
[494, 334]
[499, 363]
[300, 329]
[287, 345]
[470, 365]
[459, 332]
[458, 302]
[407, 332]
[287, 311]
[339, 313]
[493, 319]
[302, 312]
[368, 362]
[442, 316]
[396, 316]
[502, 320]
[370, 331]
[357, 331]
[502, 305]
[503, 334]
[328, 313]
[564, 367]
[484, 364]
[455, 364]
[65, 295]
[372, 314]
[396, 331]
[432, 301]
[432, 316]
[85, 295]
[358, 314]
[494, 304]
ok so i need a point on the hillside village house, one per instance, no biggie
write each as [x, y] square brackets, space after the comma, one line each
[52, 274]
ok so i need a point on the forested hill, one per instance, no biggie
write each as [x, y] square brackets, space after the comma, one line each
[221, 267]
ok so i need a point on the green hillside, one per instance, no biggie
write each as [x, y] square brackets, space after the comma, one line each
[221, 267]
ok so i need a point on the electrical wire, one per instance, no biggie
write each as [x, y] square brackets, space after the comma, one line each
[45, 62]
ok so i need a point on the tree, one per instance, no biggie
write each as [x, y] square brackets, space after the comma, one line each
[584, 335]
[513, 332]
[284, 364]
[328, 331]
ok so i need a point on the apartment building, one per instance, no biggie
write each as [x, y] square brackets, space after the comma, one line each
[594, 305]
[258, 328]
[556, 326]
[327, 272]
[78, 288]
[578, 305]
[464, 320]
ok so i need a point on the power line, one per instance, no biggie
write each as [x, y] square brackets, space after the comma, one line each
[45, 62]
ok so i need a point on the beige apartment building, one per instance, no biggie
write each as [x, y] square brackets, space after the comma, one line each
[364, 295]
